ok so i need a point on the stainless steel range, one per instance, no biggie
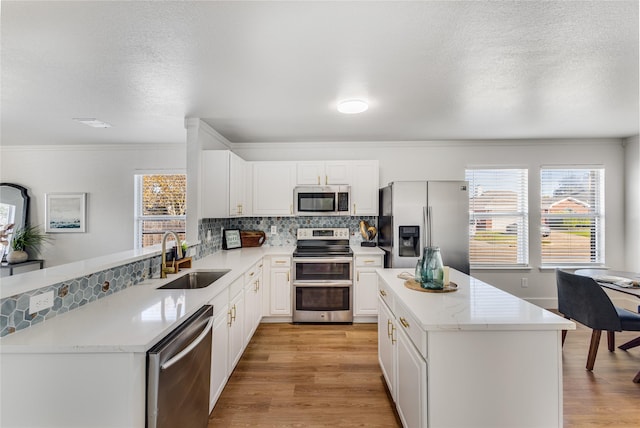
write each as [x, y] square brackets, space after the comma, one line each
[323, 276]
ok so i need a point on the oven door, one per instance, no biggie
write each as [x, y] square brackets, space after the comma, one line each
[322, 270]
[322, 302]
[322, 289]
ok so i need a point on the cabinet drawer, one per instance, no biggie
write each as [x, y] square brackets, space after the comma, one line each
[253, 273]
[281, 261]
[386, 295]
[371, 261]
[409, 325]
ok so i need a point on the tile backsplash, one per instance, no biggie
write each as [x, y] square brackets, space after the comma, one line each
[75, 293]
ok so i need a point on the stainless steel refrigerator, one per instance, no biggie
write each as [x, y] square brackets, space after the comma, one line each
[415, 214]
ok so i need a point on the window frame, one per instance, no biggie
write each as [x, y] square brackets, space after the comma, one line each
[598, 255]
[139, 218]
[522, 212]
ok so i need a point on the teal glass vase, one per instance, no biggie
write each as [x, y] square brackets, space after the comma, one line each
[432, 270]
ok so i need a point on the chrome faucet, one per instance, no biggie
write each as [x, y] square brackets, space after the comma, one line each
[164, 270]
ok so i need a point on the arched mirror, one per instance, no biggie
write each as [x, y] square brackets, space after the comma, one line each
[14, 207]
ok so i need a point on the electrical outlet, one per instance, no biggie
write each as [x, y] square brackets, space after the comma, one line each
[524, 282]
[274, 230]
[40, 302]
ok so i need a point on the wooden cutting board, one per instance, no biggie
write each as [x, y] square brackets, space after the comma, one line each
[252, 238]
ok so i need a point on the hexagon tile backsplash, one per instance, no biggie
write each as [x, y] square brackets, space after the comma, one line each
[69, 295]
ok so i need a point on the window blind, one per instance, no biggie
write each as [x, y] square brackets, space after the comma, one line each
[498, 216]
[572, 213]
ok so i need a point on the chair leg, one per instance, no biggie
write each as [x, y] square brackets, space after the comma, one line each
[637, 378]
[630, 344]
[564, 333]
[593, 348]
[611, 341]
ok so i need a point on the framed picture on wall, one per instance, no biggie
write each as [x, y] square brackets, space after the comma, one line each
[65, 212]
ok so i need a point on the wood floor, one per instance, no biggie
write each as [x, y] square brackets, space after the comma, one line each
[328, 376]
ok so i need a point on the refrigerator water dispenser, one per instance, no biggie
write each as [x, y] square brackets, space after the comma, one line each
[409, 241]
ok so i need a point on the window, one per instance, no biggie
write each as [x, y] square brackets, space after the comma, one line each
[161, 202]
[572, 213]
[498, 217]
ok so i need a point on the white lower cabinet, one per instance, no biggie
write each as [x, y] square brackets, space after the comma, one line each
[404, 368]
[280, 286]
[387, 344]
[236, 328]
[252, 300]
[219, 354]
[366, 285]
[411, 387]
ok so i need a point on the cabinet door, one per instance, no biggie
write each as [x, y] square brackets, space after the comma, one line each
[411, 395]
[387, 334]
[280, 291]
[215, 183]
[364, 188]
[366, 292]
[236, 330]
[273, 184]
[237, 186]
[252, 304]
[337, 172]
[219, 355]
[249, 312]
[310, 173]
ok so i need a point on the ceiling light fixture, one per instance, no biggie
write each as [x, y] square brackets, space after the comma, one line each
[352, 106]
[92, 122]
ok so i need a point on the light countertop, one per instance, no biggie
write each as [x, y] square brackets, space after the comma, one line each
[133, 320]
[476, 305]
[366, 251]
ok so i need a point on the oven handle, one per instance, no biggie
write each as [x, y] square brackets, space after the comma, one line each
[323, 284]
[323, 260]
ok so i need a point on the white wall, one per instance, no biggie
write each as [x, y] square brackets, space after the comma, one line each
[105, 173]
[448, 160]
[632, 208]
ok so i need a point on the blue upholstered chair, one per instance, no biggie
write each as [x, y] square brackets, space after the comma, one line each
[581, 299]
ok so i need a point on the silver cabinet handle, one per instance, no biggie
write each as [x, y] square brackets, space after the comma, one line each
[189, 348]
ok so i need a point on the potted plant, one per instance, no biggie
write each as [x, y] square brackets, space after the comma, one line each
[24, 240]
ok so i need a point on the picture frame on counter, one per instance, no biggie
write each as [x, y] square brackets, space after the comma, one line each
[231, 239]
[65, 212]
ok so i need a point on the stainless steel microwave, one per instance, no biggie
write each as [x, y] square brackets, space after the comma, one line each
[322, 200]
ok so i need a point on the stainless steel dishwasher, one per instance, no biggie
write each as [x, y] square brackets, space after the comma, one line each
[178, 371]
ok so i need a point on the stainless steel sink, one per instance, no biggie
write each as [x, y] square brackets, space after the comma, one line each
[196, 279]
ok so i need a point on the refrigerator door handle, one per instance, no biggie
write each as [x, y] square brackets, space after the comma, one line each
[425, 224]
[428, 221]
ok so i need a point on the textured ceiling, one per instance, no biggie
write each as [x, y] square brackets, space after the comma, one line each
[273, 71]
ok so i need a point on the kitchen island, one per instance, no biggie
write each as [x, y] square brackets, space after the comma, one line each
[475, 357]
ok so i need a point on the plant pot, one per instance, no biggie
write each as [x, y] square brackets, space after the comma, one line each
[17, 256]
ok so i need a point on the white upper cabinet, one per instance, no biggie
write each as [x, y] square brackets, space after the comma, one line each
[215, 183]
[364, 188]
[239, 186]
[273, 184]
[233, 187]
[323, 173]
[226, 185]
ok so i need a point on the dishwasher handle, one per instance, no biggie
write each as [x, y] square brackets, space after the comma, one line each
[189, 348]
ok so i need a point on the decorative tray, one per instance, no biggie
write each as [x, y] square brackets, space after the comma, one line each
[412, 284]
